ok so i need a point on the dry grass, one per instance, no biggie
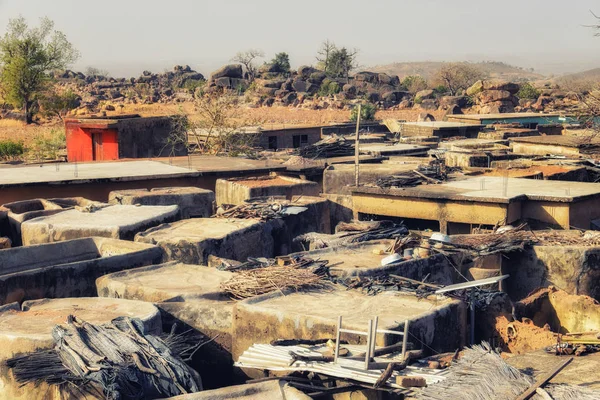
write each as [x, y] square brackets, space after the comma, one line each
[19, 131]
[274, 117]
[267, 117]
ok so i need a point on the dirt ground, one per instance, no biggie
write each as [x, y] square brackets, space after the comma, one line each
[521, 337]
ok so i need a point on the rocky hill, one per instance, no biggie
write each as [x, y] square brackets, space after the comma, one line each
[309, 88]
[427, 69]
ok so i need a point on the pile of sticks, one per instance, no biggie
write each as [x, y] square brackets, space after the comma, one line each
[330, 147]
[518, 238]
[256, 210]
[424, 174]
[355, 232]
[254, 282]
[373, 285]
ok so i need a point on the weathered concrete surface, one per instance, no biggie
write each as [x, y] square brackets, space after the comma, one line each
[21, 211]
[192, 202]
[4, 226]
[117, 222]
[272, 390]
[398, 149]
[338, 179]
[340, 208]
[69, 268]
[575, 269]
[555, 144]
[96, 180]
[316, 218]
[477, 158]
[441, 324]
[360, 260]
[237, 191]
[187, 295]
[30, 330]
[192, 241]
[439, 129]
[486, 201]
[579, 372]
[176, 283]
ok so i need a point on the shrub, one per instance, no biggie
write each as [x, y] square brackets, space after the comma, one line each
[367, 112]
[11, 150]
[527, 91]
[48, 146]
[440, 89]
[329, 88]
[192, 85]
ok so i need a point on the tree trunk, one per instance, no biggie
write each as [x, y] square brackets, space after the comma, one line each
[28, 108]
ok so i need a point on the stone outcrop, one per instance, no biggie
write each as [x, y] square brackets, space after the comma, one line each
[494, 96]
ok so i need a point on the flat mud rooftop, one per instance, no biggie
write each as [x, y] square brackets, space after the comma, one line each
[73, 172]
[167, 282]
[68, 268]
[30, 329]
[118, 222]
[190, 293]
[193, 240]
[312, 315]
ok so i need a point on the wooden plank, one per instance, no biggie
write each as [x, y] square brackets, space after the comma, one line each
[543, 380]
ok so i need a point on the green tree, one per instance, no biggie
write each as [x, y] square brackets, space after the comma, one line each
[336, 62]
[54, 104]
[27, 57]
[341, 63]
[282, 61]
[367, 112]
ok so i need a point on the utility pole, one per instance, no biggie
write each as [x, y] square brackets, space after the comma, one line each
[357, 149]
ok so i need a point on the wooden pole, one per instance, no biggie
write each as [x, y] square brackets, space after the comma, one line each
[357, 149]
[543, 380]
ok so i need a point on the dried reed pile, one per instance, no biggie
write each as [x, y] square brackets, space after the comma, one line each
[250, 283]
[518, 239]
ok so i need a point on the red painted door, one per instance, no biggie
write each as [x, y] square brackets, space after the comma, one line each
[97, 152]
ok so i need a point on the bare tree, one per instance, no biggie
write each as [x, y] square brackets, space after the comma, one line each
[246, 58]
[221, 127]
[324, 54]
[458, 76]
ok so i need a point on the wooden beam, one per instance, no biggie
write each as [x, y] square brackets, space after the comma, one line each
[543, 380]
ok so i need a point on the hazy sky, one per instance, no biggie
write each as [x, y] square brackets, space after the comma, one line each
[128, 36]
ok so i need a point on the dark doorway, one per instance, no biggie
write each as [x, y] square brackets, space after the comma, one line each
[97, 153]
[272, 142]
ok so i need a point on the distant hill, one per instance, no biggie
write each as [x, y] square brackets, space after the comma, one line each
[427, 69]
[591, 75]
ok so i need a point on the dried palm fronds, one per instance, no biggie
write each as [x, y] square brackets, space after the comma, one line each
[250, 283]
[482, 374]
[117, 360]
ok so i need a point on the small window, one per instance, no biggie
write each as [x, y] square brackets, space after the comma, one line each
[272, 142]
[300, 141]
